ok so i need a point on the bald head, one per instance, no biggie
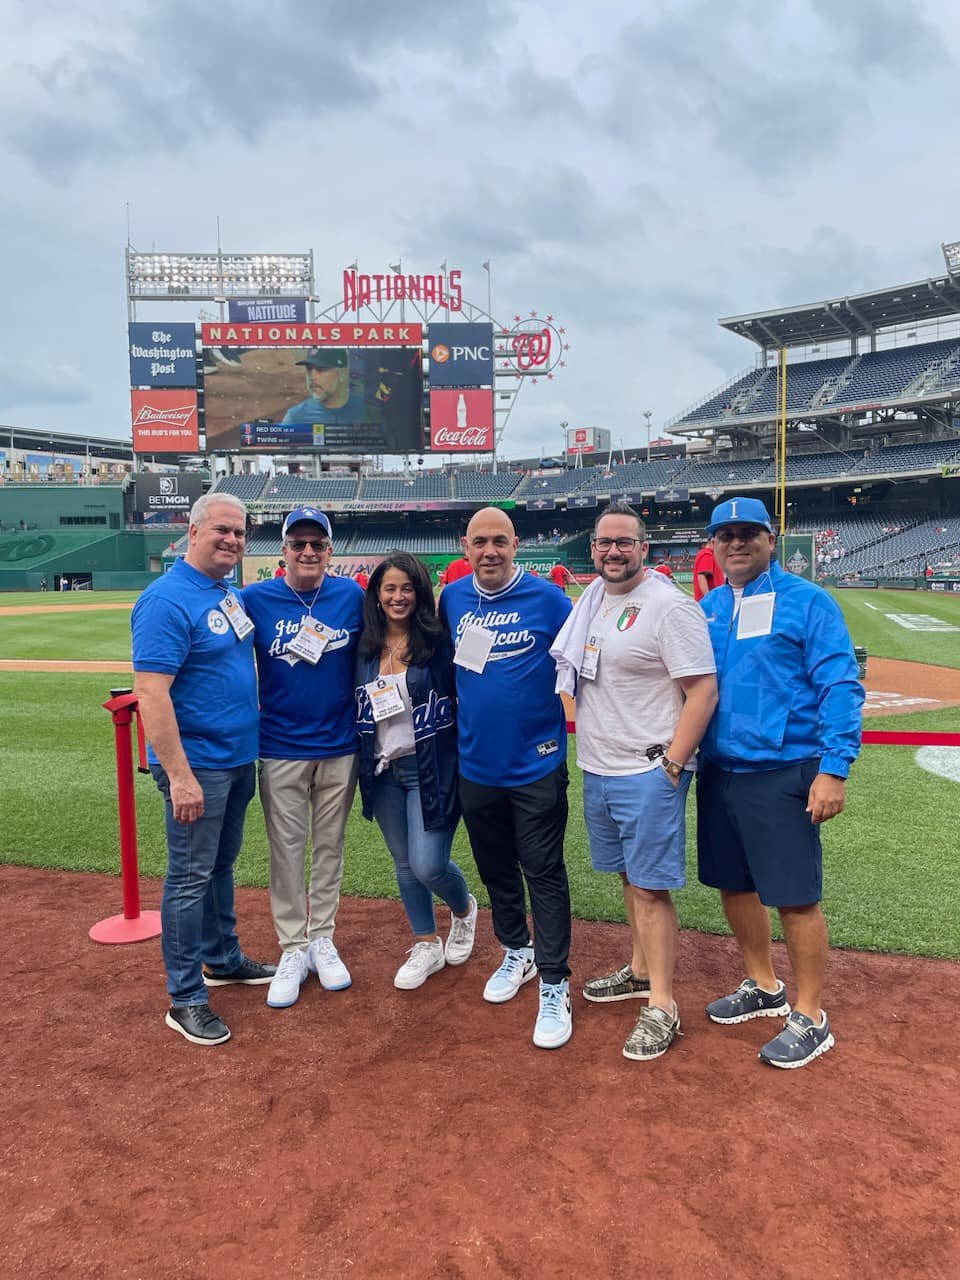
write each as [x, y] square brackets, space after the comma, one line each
[490, 545]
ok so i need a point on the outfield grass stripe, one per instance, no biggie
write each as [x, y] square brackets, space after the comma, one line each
[889, 859]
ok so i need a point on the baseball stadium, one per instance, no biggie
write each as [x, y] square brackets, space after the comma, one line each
[845, 423]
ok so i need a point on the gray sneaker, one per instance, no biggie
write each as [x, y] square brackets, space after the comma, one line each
[800, 1041]
[653, 1035]
[621, 985]
[749, 1001]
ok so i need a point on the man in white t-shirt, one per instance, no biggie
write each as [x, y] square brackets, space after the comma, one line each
[645, 693]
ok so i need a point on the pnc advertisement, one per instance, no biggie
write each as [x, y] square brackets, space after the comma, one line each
[461, 355]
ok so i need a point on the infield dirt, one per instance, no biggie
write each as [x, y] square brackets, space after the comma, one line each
[373, 1132]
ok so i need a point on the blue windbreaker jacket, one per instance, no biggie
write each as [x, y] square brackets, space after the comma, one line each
[432, 697]
[788, 696]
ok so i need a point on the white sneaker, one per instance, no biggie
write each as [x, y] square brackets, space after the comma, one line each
[518, 967]
[463, 932]
[424, 958]
[324, 960]
[554, 1025]
[290, 976]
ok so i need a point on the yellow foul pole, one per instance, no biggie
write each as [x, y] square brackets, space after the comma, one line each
[780, 452]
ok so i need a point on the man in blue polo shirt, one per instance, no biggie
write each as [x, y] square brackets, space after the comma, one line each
[195, 680]
[513, 772]
[307, 629]
[773, 768]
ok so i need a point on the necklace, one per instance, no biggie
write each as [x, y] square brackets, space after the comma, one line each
[309, 607]
[391, 650]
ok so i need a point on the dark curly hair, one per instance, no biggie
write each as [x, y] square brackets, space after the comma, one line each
[425, 626]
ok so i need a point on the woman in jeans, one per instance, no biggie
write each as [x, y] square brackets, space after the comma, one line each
[408, 758]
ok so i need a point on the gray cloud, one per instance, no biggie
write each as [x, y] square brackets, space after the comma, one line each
[192, 72]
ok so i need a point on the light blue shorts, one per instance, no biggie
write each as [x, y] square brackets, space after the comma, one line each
[636, 824]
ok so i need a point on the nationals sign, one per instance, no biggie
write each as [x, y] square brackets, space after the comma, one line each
[338, 334]
[164, 421]
[461, 421]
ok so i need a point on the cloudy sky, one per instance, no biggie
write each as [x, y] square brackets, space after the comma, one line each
[636, 170]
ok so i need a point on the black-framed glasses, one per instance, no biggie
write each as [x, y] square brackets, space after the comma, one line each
[315, 544]
[622, 544]
[749, 534]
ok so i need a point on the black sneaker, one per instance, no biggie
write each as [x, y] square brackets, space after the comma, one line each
[250, 972]
[800, 1042]
[749, 1001]
[198, 1024]
[622, 985]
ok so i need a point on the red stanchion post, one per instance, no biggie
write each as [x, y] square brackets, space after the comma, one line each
[133, 925]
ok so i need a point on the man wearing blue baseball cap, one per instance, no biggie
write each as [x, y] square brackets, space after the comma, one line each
[773, 768]
[307, 627]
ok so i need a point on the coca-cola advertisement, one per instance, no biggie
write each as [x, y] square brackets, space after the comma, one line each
[164, 421]
[461, 421]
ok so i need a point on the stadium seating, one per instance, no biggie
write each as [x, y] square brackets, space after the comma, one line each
[478, 485]
[907, 553]
[929, 456]
[549, 485]
[246, 488]
[733, 472]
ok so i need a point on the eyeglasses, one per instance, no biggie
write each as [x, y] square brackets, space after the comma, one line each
[749, 534]
[315, 544]
[622, 544]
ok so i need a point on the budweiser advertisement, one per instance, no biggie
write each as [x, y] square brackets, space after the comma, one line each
[164, 421]
[461, 421]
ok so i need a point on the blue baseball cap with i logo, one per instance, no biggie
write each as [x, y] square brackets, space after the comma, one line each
[740, 511]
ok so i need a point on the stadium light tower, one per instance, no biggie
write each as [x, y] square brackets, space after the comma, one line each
[648, 414]
[951, 256]
[216, 277]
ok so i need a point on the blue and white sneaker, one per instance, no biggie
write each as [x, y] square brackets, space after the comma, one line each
[290, 976]
[518, 967]
[749, 1001]
[800, 1041]
[554, 1025]
[323, 959]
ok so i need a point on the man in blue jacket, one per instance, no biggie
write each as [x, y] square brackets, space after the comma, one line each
[773, 768]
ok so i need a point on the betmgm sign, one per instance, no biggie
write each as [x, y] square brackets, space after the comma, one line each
[158, 498]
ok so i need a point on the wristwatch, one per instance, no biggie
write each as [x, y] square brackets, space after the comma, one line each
[672, 767]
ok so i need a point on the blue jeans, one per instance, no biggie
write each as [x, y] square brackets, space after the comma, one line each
[421, 858]
[197, 911]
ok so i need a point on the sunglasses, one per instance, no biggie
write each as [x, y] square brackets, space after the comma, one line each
[315, 544]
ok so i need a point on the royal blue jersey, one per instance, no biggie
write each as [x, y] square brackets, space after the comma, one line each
[180, 630]
[306, 712]
[512, 725]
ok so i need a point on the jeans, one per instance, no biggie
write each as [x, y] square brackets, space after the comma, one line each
[517, 835]
[421, 858]
[197, 912]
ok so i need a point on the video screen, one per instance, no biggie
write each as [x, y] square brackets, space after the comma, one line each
[335, 399]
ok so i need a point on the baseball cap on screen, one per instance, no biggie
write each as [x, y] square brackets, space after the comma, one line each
[326, 358]
[306, 515]
[740, 511]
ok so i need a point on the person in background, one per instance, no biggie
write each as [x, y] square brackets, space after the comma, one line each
[707, 574]
[408, 759]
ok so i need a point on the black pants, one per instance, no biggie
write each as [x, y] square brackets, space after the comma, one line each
[516, 830]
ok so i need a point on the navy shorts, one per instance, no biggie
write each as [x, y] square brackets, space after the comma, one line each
[755, 836]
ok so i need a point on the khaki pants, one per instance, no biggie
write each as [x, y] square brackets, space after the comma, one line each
[301, 797]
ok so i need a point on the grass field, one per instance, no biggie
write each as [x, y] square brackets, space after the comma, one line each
[889, 859]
